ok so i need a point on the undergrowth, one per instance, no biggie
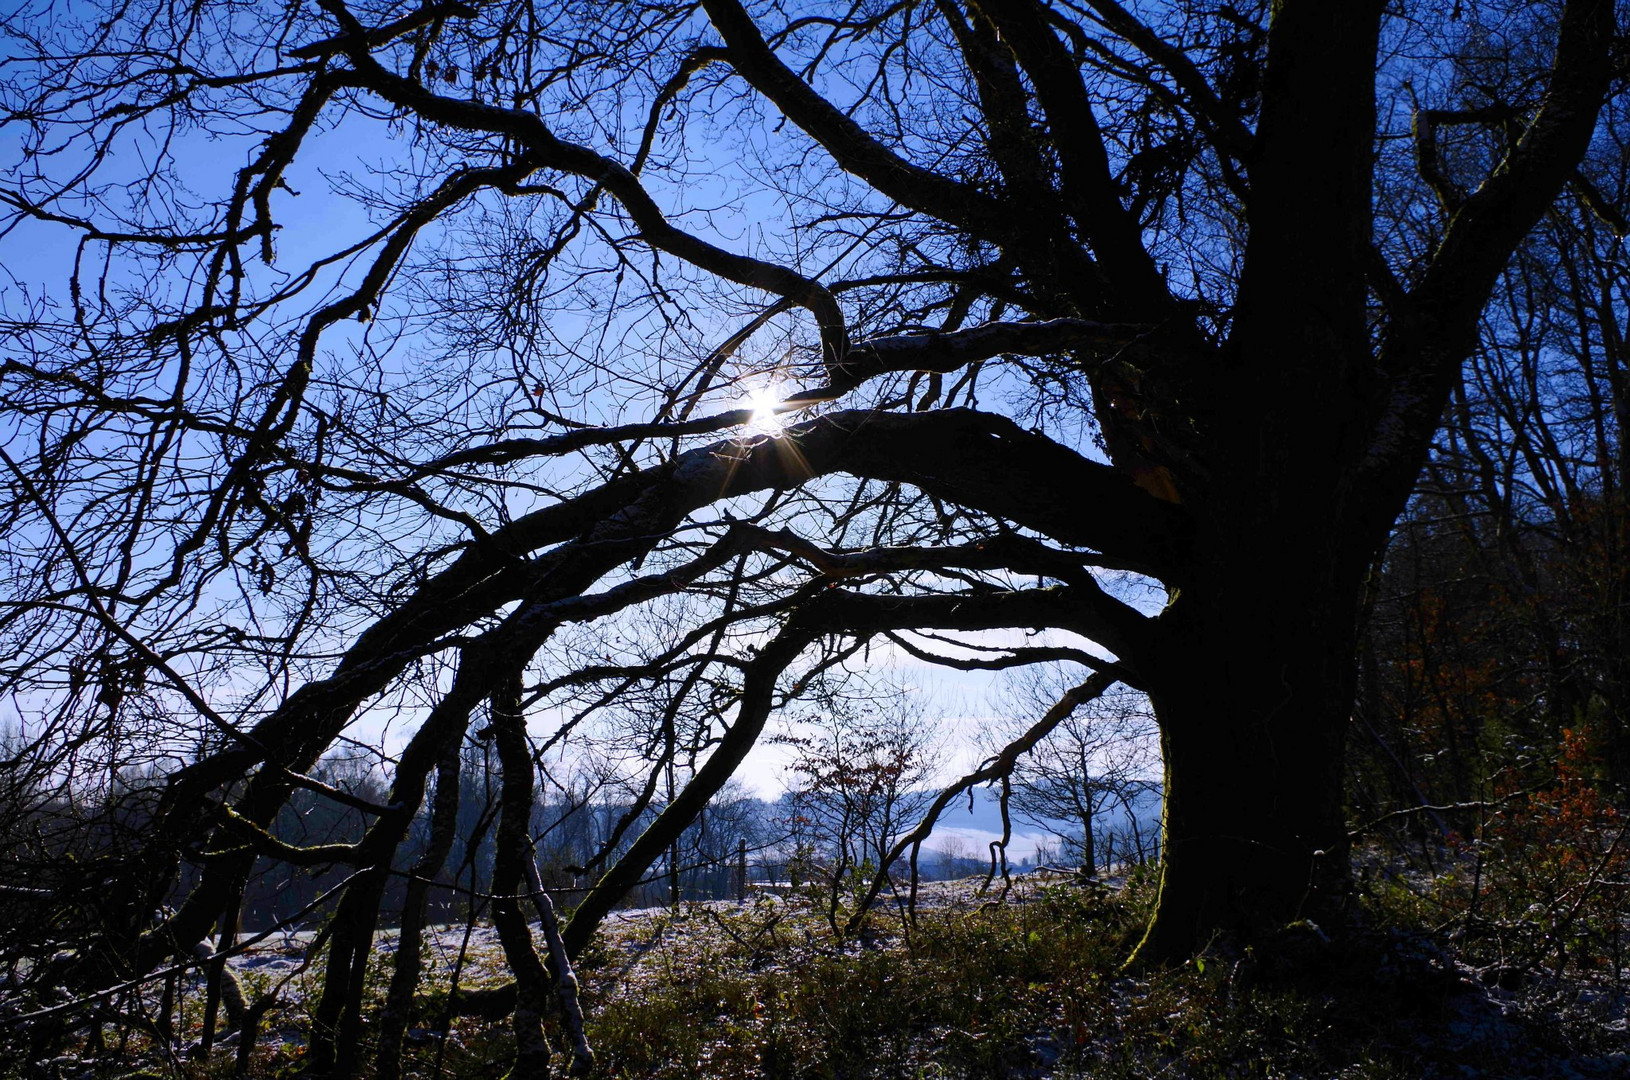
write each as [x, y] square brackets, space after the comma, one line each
[1037, 987]
[1031, 987]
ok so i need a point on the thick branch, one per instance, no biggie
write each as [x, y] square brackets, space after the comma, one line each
[383, 35]
[1427, 341]
[851, 147]
[1089, 185]
[1232, 136]
[974, 459]
[953, 350]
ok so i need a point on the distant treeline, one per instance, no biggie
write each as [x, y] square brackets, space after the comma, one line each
[57, 845]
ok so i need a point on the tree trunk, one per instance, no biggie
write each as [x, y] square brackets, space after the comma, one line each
[1253, 695]
[394, 1017]
[336, 1022]
[512, 850]
[1089, 852]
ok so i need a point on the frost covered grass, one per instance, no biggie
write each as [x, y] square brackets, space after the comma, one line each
[1036, 987]
[770, 990]
[1033, 986]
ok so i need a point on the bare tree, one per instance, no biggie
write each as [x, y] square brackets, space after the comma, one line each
[1097, 767]
[955, 856]
[860, 772]
[368, 355]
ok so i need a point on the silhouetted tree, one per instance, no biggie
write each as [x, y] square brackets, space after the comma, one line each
[1057, 293]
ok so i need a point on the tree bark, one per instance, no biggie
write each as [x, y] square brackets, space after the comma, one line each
[1253, 830]
[1252, 680]
[1089, 848]
[514, 847]
[394, 1017]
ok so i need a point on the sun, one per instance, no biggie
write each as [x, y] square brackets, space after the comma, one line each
[767, 417]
